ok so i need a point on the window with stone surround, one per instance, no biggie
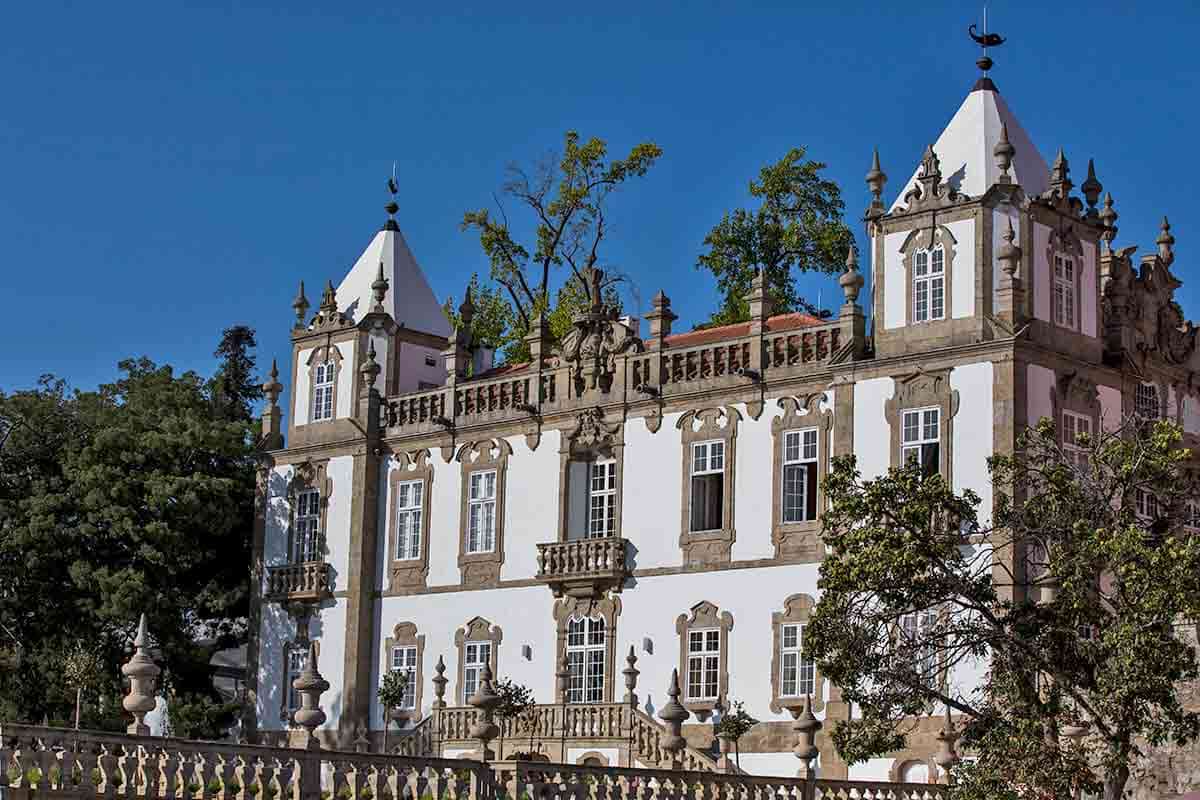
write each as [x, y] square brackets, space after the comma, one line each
[929, 284]
[802, 439]
[921, 416]
[704, 641]
[921, 439]
[478, 644]
[794, 674]
[481, 512]
[586, 641]
[404, 661]
[308, 493]
[1146, 401]
[324, 366]
[404, 651]
[410, 509]
[591, 455]
[410, 483]
[1065, 291]
[1076, 432]
[709, 457]
[481, 542]
[800, 475]
[708, 485]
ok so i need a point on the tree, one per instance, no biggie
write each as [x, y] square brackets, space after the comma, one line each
[235, 388]
[517, 705]
[136, 497]
[735, 723]
[392, 690]
[566, 197]
[796, 226]
[1074, 633]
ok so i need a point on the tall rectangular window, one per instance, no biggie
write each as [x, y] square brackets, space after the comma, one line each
[917, 629]
[1146, 504]
[800, 475]
[410, 502]
[929, 284]
[1145, 401]
[306, 542]
[799, 671]
[481, 523]
[297, 660]
[708, 486]
[703, 664]
[919, 442]
[404, 660]
[475, 656]
[322, 393]
[1064, 290]
[1076, 429]
[586, 652]
[602, 499]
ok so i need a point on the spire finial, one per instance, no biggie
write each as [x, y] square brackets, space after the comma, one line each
[876, 179]
[1165, 242]
[300, 304]
[379, 288]
[392, 206]
[1091, 188]
[985, 40]
[1108, 218]
[1004, 151]
[1009, 254]
[273, 387]
[851, 280]
[328, 299]
[1060, 182]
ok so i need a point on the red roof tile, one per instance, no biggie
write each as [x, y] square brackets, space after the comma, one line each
[782, 322]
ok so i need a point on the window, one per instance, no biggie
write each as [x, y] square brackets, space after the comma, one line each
[929, 284]
[404, 659]
[1191, 515]
[919, 439]
[586, 651]
[306, 542]
[602, 499]
[1146, 403]
[800, 475]
[297, 660]
[708, 486]
[1146, 504]
[1064, 290]
[322, 395]
[704, 664]
[430, 361]
[481, 530]
[799, 672]
[475, 656]
[1076, 428]
[916, 629]
[410, 500]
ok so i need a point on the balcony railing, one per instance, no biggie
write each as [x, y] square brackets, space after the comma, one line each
[310, 581]
[583, 566]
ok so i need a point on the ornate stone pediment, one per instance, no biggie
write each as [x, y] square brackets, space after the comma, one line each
[930, 191]
[1078, 388]
[596, 338]
[591, 432]
[1142, 316]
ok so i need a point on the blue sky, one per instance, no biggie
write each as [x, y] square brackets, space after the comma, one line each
[166, 171]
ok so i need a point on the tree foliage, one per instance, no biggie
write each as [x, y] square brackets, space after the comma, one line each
[797, 227]
[136, 497]
[392, 689]
[1065, 606]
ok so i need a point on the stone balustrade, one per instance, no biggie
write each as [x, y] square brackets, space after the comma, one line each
[310, 581]
[583, 566]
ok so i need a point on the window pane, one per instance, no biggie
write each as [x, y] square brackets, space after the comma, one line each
[794, 492]
[791, 446]
[939, 258]
[912, 426]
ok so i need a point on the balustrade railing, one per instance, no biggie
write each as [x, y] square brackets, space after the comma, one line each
[309, 580]
[593, 563]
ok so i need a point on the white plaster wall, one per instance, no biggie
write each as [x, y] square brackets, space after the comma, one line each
[383, 345]
[300, 397]
[1191, 414]
[412, 369]
[1039, 383]
[278, 516]
[962, 301]
[329, 629]
[340, 472]
[574, 754]
[651, 492]
[1041, 285]
[973, 431]
[444, 503]
[1000, 219]
[1089, 289]
[1111, 409]
[753, 482]
[895, 311]
[530, 504]
[346, 377]
[873, 769]
[872, 434]
[774, 765]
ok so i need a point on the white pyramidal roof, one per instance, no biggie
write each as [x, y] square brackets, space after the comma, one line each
[409, 300]
[965, 147]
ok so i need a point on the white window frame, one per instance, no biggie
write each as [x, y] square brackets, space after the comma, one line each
[1074, 425]
[914, 626]
[1145, 504]
[792, 659]
[602, 499]
[929, 284]
[403, 658]
[475, 656]
[1143, 394]
[410, 510]
[915, 445]
[704, 454]
[1066, 301]
[481, 511]
[703, 665]
[306, 538]
[297, 660]
[587, 652]
[801, 447]
[324, 376]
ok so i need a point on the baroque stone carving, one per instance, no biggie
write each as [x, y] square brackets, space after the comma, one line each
[591, 432]
[922, 389]
[1142, 317]
[929, 192]
[595, 339]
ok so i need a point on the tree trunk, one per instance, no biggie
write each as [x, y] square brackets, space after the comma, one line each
[78, 705]
[1114, 782]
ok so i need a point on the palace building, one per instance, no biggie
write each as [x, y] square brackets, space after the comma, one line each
[639, 500]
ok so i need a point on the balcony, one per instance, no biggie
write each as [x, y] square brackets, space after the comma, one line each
[309, 582]
[583, 567]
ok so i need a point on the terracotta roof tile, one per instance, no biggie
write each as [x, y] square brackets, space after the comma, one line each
[782, 322]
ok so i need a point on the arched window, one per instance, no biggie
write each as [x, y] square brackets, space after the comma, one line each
[586, 655]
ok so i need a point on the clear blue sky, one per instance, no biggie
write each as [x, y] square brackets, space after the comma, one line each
[168, 171]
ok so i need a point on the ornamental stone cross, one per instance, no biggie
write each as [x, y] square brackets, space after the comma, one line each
[142, 673]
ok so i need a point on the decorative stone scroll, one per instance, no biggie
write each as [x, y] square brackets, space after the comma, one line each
[596, 338]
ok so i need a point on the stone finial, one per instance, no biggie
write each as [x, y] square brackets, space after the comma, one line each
[931, 166]
[379, 288]
[1091, 188]
[539, 340]
[310, 685]
[876, 180]
[806, 727]
[674, 714]
[631, 673]
[328, 305]
[485, 701]
[439, 683]
[466, 311]
[1009, 254]
[946, 756]
[1108, 218]
[142, 673]
[272, 428]
[759, 299]
[1004, 152]
[660, 318]
[1166, 243]
[272, 388]
[370, 369]
[851, 280]
[300, 305]
[1060, 181]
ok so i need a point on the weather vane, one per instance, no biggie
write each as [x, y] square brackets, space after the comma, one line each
[985, 41]
[393, 188]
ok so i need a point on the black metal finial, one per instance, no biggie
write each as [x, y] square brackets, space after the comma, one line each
[392, 206]
[985, 40]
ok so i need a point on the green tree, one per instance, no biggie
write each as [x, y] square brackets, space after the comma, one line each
[735, 723]
[135, 497]
[565, 197]
[235, 387]
[392, 690]
[1075, 630]
[516, 705]
[797, 227]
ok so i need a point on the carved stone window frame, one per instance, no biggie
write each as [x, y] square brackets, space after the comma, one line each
[1162, 389]
[482, 569]
[409, 575]
[925, 389]
[797, 610]
[301, 640]
[800, 540]
[706, 548]
[591, 439]
[607, 608]
[1066, 242]
[405, 635]
[1078, 394]
[477, 629]
[307, 476]
[705, 616]
[319, 355]
[929, 239]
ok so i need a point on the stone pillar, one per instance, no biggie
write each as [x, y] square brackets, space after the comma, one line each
[439, 683]
[142, 673]
[631, 673]
[310, 685]
[851, 320]
[759, 299]
[272, 417]
[660, 318]
[806, 727]
[539, 341]
[484, 701]
[674, 714]
[1010, 297]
